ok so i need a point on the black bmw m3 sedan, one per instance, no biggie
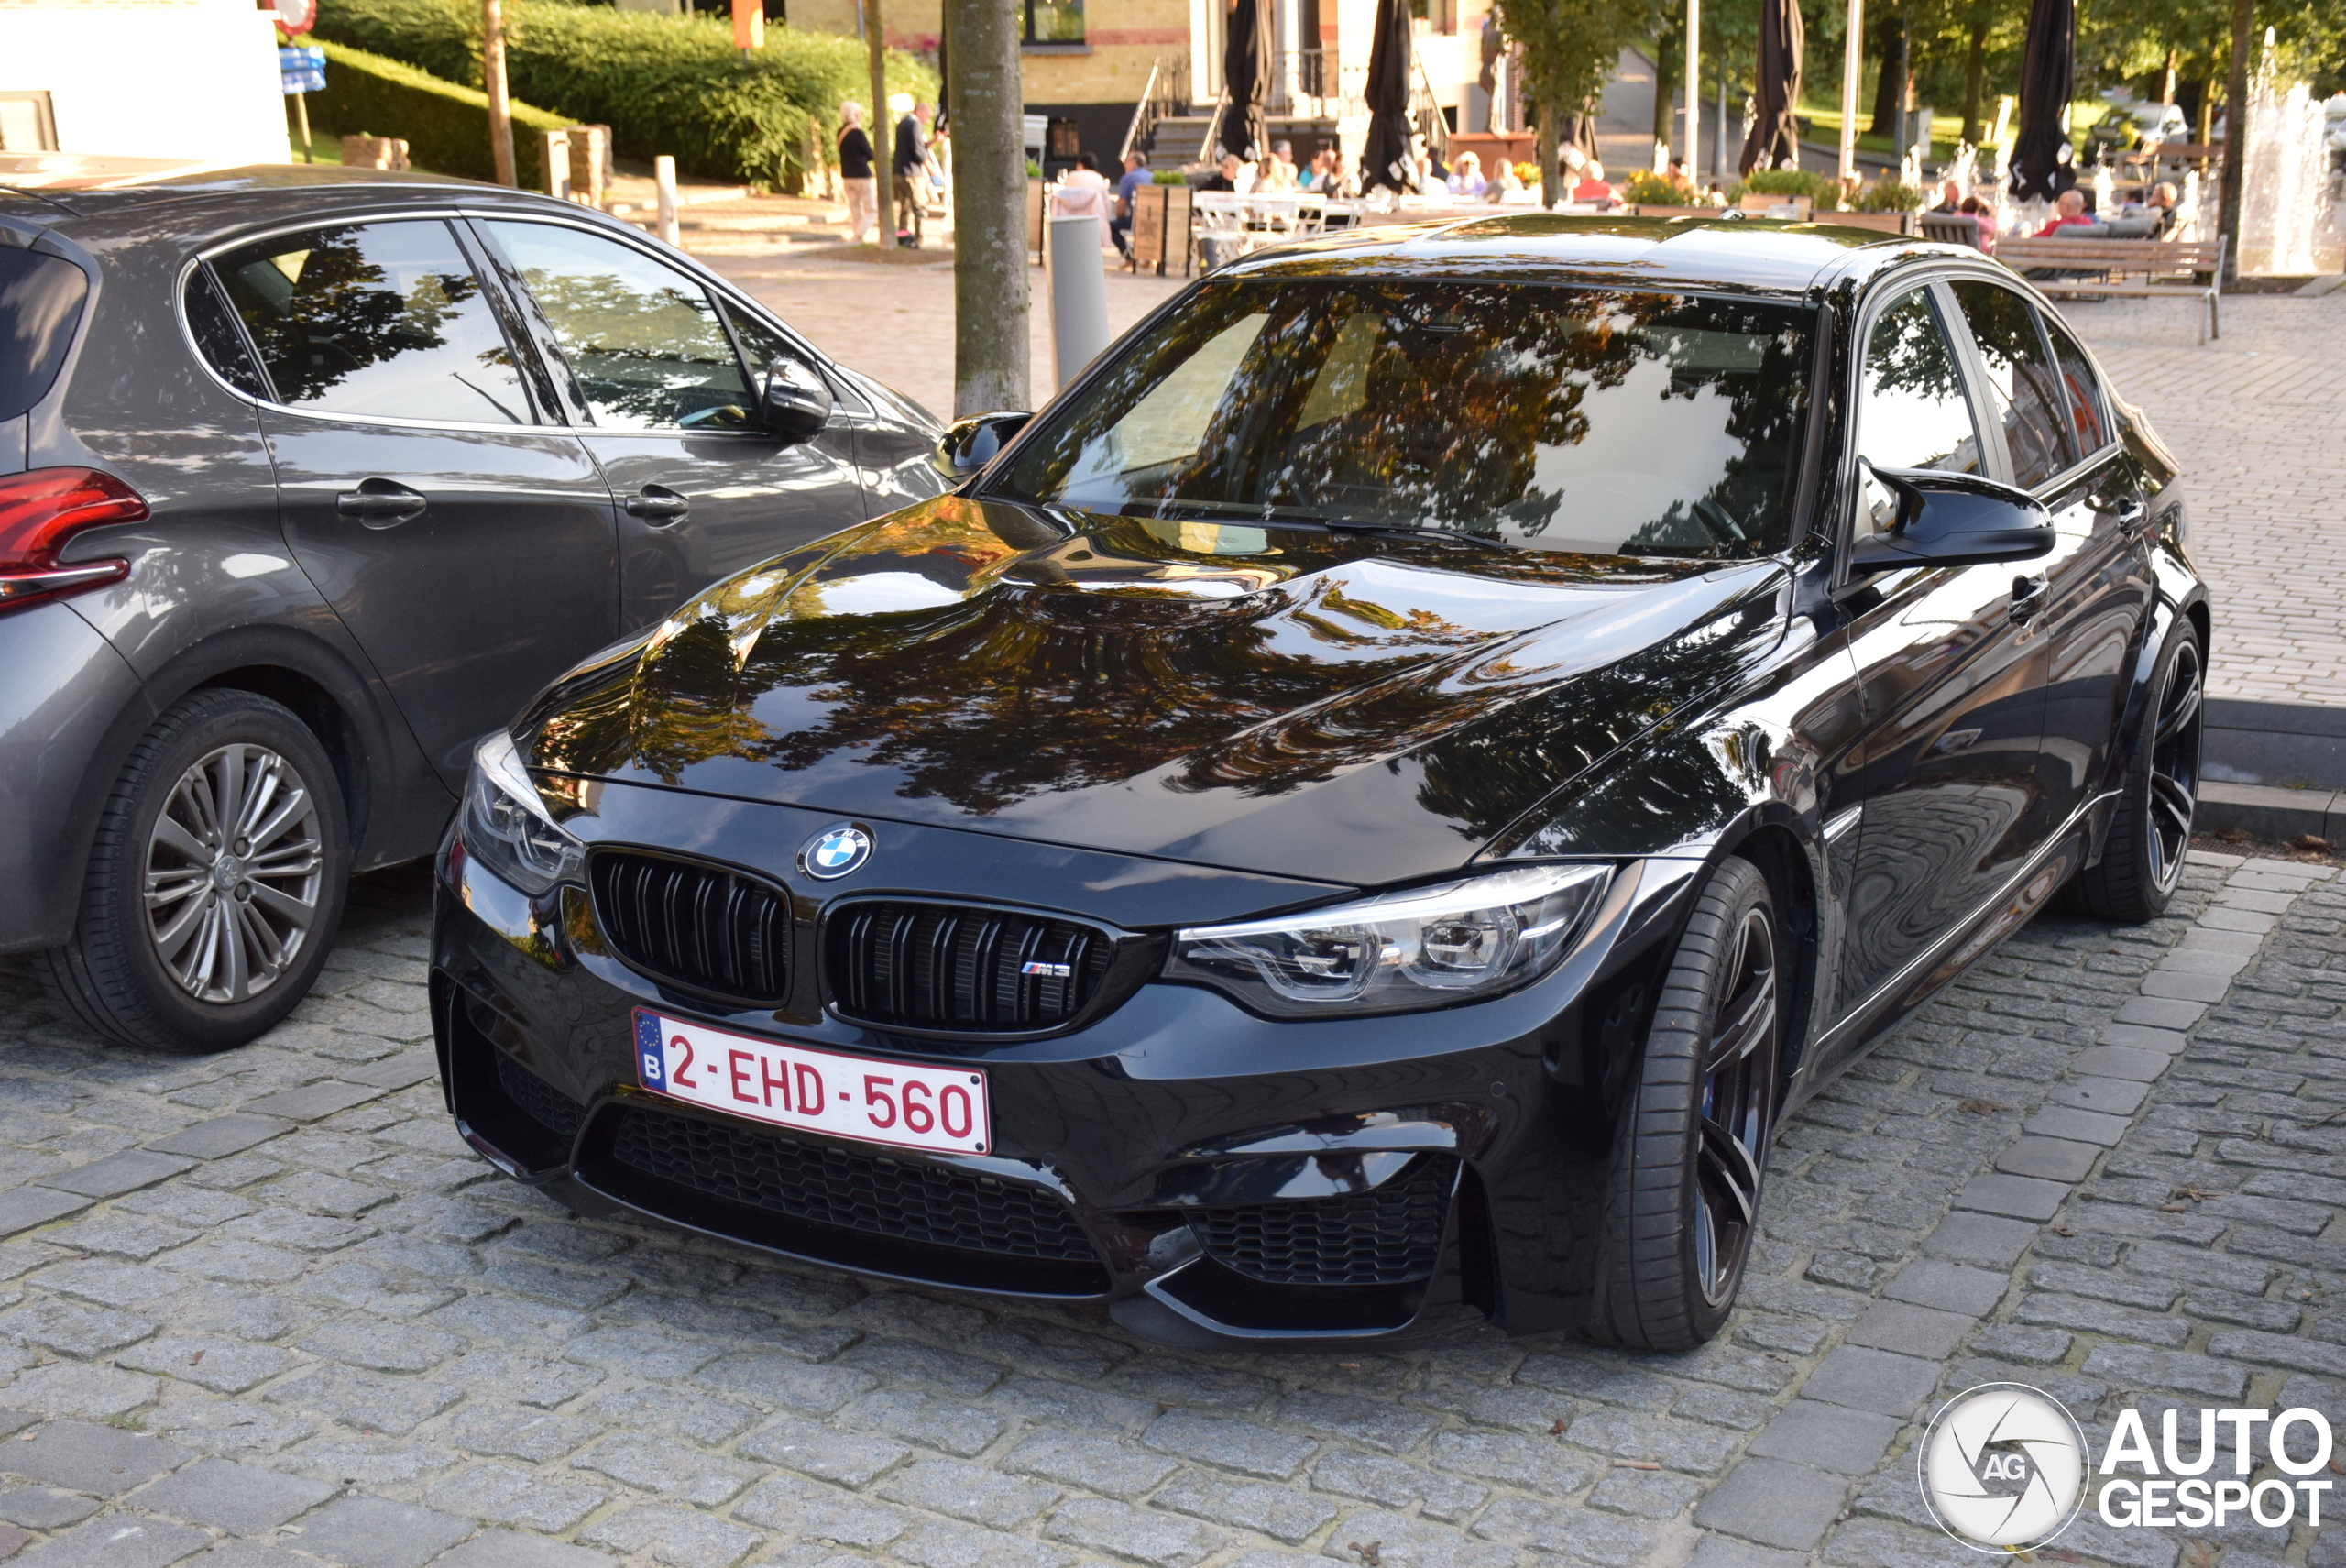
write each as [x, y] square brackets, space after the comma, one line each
[1371, 805]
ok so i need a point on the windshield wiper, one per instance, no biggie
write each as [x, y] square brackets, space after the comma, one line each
[1347, 525]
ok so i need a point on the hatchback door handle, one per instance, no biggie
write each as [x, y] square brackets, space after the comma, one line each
[657, 504]
[380, 503]
[2029, 597]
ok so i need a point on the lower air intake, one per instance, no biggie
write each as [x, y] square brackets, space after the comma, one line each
[1391, 1235]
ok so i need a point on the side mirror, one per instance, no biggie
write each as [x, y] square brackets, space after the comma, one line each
[797, 403]
[969, 445]
[1953, 520]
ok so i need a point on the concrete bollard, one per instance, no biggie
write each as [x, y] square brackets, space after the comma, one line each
[663, 176]
[1078, 296]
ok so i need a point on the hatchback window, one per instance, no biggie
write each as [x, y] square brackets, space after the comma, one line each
[384, 319]
[1596, 420]
[642, 339]
[41, 304]
[2081, 390]
[1912, 412]
[2021, 381]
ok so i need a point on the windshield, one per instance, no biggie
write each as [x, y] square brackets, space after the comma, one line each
[1602, 421]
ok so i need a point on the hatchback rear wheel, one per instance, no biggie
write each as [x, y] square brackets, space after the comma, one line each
[1683, 1207]
[216, 882]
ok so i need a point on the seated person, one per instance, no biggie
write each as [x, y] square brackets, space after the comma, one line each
[1277, 172]
[1466, 177]
[1592, 186]
[1678, 177]
[2069, 210]
[1083, 191]
[1950, 198]
[1986, 215]
[1224, 179]
[2161, 206]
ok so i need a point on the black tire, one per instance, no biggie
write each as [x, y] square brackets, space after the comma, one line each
[1682, 1202]
[2150, 834]
[240, 954]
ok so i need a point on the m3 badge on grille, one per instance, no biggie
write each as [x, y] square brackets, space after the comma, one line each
[835, 851]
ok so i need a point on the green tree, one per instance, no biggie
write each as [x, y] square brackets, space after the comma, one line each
[1569, 47]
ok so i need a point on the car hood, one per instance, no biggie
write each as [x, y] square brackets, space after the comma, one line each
[1353, 707]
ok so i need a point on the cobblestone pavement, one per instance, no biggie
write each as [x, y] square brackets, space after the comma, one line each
[267, 1299]
[2259, 418]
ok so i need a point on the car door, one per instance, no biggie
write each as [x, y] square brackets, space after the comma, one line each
[654, 359]
[462, 534]
[2097, 587]
[1949, 675]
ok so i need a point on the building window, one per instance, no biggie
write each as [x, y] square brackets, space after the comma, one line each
[26, 122]
[1054, 21]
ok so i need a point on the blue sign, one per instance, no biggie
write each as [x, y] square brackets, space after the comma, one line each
[302, 68]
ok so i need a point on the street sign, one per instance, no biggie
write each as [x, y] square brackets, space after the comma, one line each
[302, 68]
[297, 15]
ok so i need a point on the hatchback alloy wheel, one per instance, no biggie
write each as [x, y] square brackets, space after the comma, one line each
[1737, 1099]
[233, 872]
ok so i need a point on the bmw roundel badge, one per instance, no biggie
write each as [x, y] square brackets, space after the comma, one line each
[835, 851]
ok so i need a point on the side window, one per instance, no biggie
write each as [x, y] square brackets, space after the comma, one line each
[642, 339]
[1912, 412]
[2088, 415]
[384, 318]
[2021, 381]
[760, 344]
[217, 337]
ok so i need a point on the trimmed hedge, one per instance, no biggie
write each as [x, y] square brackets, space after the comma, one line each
[663, 84]
[446, 126]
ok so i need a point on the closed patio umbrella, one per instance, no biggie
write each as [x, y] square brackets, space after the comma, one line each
[1385, 160]
[2042, 168]
[1246, 75]
[1775, 134]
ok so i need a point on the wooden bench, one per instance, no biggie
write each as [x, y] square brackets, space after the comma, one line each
[2124, 268]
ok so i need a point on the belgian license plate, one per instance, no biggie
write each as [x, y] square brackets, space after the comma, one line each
[936, 1108]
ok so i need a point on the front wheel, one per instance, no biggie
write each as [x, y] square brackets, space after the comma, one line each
[1683, 1205]
[216, 882]
[2150, 833]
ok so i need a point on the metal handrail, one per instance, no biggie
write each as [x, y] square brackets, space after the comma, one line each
[1144, 113]
[1427, 110]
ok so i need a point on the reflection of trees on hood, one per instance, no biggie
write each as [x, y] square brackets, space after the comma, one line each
[1024, 687]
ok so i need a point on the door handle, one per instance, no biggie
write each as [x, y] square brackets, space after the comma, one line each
[2134, 517]
[380, 503]
[2030, 596]
[657, 505]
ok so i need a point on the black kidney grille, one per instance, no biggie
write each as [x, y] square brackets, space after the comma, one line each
[903, 1199]
[541, 1101]
[697, 926]
[1387, 1236]
[933, 966]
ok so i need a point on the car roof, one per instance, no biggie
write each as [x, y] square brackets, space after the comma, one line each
[1741, 255]
[62, 199]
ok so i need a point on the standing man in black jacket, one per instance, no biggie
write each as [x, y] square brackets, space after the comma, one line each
[911, 168]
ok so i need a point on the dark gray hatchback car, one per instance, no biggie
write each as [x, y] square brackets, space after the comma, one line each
[310, 478]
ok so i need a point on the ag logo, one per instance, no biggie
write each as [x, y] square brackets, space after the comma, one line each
[2003, 1467]
[835, 851]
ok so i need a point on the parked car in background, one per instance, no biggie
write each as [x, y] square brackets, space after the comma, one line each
[1375, 803]
[310, 478]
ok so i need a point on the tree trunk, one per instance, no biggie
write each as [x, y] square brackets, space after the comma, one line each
[2236, 135]
[2166, 82]
[990, 288]
[1551, 179]
[1889, 88]
[884, 125]
[1975, 77]
[492, 82]
[2207, 111]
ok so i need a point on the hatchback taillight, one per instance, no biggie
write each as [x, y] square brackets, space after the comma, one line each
[39, 511]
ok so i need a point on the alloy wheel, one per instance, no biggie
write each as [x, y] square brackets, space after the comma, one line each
[2174, 764]
[1737, 1100]
[233, 870]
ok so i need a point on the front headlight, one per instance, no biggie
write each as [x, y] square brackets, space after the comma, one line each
[506, 826]
[1424, 947]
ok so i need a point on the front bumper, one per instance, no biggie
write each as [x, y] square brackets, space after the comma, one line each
[1214, 1177]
